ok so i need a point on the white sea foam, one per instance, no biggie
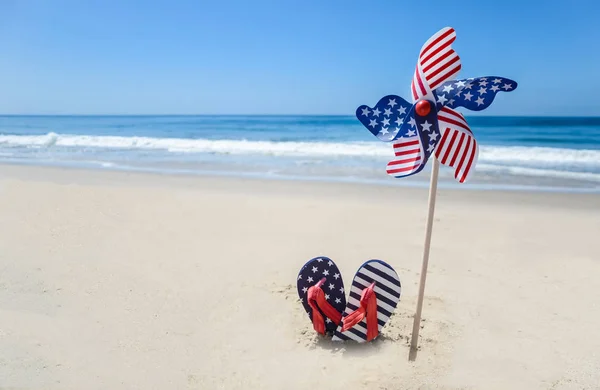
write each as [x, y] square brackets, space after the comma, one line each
[519, 160]
[533, 172]
[367, 149]
[540, 156]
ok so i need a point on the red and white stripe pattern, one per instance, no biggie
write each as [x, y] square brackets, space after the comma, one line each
[437, 63]
[457, 148]
[409, 157]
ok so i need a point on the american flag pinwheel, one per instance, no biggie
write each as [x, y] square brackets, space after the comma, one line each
[431, 123]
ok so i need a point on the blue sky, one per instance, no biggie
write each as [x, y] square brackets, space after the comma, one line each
[285, 57]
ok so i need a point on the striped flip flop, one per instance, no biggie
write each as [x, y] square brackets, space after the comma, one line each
[321, 291]
[373, 297]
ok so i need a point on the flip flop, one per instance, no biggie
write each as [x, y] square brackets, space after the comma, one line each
[321, 291]
[373, 297]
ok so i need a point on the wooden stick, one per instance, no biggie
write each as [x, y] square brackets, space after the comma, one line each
[432, 194]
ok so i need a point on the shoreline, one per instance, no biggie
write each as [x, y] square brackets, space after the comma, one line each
[108, 176]
[421, 182]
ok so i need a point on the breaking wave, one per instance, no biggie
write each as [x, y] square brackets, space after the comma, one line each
[519, 160]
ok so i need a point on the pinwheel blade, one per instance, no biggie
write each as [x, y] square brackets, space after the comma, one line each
[474, 94]
[457, 148]
[385, 119]
[437, 63]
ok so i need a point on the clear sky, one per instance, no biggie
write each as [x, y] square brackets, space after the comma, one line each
[285, 57]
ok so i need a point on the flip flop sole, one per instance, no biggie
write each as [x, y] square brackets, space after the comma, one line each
[313, 271]
[387, 289]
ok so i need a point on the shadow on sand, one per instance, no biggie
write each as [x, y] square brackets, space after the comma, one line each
[353, 348]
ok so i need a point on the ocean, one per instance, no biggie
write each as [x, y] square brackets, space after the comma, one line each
[539, 153]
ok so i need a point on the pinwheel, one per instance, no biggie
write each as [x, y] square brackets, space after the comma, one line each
[431, 125]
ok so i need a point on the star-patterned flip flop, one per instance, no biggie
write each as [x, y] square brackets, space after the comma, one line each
[321, 292]
[372, 299]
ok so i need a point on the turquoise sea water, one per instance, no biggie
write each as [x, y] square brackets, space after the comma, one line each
[539, 152]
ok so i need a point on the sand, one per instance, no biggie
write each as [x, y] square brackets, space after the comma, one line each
[113, 280]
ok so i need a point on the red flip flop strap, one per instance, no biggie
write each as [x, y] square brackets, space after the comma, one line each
[368, 308]
[316, 298]
[327, 309]
[372, 325]
[317, 318]
[353, 318]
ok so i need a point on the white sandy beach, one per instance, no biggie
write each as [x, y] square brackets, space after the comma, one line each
[113, 280]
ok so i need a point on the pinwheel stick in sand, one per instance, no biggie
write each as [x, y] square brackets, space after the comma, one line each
[431, 126]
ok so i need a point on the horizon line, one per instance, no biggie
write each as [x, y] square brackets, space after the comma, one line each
[282, 115]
